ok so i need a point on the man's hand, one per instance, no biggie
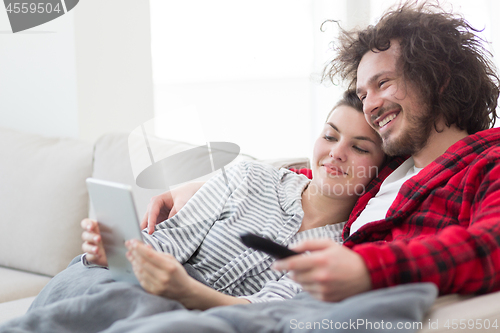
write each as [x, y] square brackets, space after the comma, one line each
[330, 272]
[92, 243]
[166, 205]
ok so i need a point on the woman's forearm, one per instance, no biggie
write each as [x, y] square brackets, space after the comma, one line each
[202, 297]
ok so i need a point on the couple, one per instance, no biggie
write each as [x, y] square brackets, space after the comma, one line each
[429, 90]
[277, 204]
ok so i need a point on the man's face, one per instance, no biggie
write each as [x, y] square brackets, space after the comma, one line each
[392, 106]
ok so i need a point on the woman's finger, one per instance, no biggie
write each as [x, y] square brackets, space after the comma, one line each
[91, 238]
[147, 253]
[147, 280]
[90, 248]
[89, 225]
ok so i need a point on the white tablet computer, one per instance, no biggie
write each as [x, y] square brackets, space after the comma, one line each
[115, 212]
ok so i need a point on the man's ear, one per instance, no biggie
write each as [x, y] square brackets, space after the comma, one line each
[446, 81]
[445, 85]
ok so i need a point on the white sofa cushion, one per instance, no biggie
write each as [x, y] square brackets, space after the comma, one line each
[463, 313]
[42, 200]
[14, 309]
[18, 284]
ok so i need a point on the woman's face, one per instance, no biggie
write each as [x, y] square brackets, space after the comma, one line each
[347, 155]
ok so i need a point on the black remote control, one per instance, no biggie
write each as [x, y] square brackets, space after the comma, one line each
[267, 246]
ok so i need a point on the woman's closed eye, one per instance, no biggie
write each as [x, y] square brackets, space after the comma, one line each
[329, 138]
[360, 150]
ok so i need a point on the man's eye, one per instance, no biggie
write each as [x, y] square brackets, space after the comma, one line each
[381, 83]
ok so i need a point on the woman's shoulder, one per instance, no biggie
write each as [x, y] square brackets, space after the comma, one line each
[269, 170]
[257, 167]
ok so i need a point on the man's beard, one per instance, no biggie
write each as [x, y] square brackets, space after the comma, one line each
[413, 138]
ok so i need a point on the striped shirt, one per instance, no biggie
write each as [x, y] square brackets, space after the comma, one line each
[205, 233]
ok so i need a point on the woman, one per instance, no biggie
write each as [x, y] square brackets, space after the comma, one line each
[277, 204]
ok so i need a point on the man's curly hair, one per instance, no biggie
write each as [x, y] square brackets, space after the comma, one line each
[441, 55]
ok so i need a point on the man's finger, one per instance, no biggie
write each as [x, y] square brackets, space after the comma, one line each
[297, 263]
[314, 245]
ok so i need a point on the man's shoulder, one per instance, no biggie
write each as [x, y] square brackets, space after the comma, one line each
[484, 140]
[477, 147]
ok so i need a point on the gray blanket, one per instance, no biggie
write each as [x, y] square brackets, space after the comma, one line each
[82, 299]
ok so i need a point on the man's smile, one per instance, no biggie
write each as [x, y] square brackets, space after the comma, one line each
[387, 119]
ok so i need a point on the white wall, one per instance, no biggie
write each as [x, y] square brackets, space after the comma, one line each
[38, 78]
[81, 75]
[113, 62]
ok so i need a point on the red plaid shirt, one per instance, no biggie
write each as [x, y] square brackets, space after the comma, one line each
[443, 227]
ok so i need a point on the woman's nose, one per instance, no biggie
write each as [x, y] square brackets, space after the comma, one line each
[338, 152]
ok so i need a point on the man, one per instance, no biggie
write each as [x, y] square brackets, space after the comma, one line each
[430, 91]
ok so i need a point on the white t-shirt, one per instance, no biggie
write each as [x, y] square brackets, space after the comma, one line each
[377, 207]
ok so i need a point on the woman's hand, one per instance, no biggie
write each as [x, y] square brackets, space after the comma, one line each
[159, 273]
[330, 272]
[166, 205]
[92, 243]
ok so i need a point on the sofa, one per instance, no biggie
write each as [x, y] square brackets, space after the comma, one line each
[43, 198]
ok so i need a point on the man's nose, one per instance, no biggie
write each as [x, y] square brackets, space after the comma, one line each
[372, 103]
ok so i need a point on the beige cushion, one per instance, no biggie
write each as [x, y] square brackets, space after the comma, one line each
[17, 284]
[42, 200]
[14, 309]
[455, 311]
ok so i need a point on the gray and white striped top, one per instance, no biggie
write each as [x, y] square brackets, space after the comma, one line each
[205, 233]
